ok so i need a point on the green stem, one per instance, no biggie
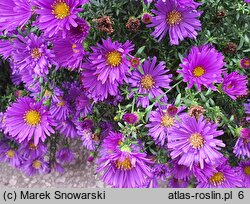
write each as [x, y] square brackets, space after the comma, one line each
[173, 87]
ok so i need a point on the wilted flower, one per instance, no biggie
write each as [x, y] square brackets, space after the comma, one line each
[133, 24]
[104, 24]
[196, 111]
[230, 48]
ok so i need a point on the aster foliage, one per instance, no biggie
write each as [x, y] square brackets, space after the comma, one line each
[155, 92]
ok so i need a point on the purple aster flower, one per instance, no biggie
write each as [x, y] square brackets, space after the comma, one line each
[247, 108]
[188, 3]
[87, 139]
[78, 34]
[59, 109]
[106, 127]
[5, 48]
[242, 146]
[148, 1]
[194, 141]
[202, 175]
[83, 105]
[97, 90]
[84, 129]
[111, 142]
[160, 123]
[203, 66]
[124, 167]
[65, 155]
[67, 128]
[152, 183]
[146, 18]
[245, 63]
[68, 54]
[130, 118]
[10, 155]
[27, 118]
[234, 85]
[179, 22]
[34, 166]
[247, 1]
[57, 15]
[73, 91]
[31, 52]
[179, 171]
[85, 124]
[177, 183]
[224, 177]
[150, 80]
[29, 150]
[57, 167]
[2, 121]
[30, 80]
[160, 173]
[244, 173]
[110, 60]
[14, 13]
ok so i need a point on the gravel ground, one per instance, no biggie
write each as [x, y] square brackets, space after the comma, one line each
[79, 174]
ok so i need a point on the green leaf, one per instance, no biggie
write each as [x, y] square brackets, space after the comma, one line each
[178, 100]
[140, 50]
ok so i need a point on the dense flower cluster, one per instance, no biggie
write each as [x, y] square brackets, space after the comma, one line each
[143, 119]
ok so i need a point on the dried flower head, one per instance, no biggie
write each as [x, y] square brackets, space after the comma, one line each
[230, 48]
[133, 24]
[104, 24]
[196, 111]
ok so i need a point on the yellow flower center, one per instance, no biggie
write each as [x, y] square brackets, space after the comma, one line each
[47, 93]
[32, 117]
[229, 86]
[37, 164]
[32, 146]
[167, 121]
[196, 140]
[125, 164]
[35, 54]
[217, 178]
[61, 104]
[60, 9]
[114, 58]
[10, 154]
[247, 170]
[198, 71]
[147, 82]
[174, 17]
